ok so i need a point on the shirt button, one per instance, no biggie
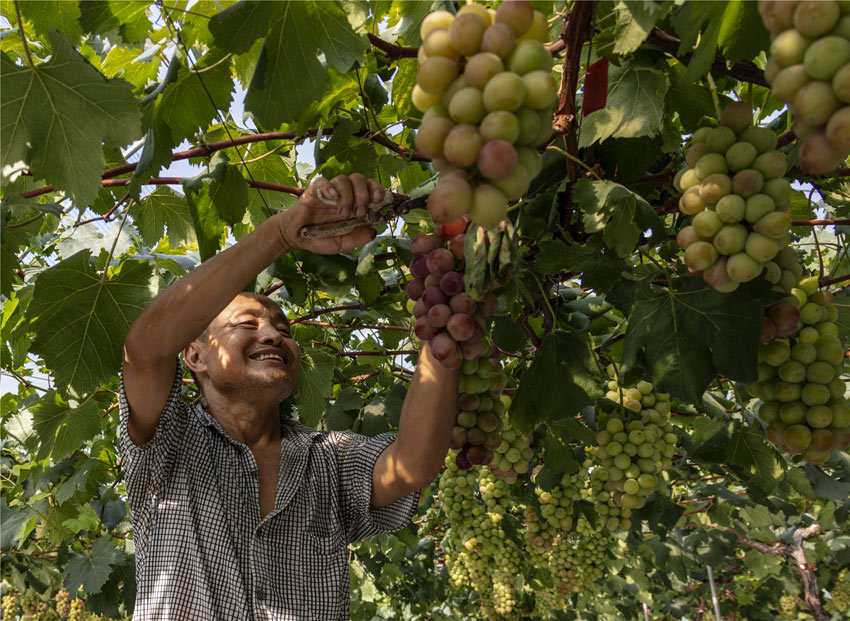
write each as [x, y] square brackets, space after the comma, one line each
[261, 594]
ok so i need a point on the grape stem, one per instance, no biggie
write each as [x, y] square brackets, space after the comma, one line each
[23, 36]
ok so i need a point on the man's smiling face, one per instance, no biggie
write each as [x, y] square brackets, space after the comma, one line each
[248, 348]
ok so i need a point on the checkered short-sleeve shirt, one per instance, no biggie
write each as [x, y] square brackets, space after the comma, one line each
[202, 550]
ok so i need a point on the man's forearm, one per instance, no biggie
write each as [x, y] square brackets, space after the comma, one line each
[427, 419]
[179, 314]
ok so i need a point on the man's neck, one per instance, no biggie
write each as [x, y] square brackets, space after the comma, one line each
[252, 423]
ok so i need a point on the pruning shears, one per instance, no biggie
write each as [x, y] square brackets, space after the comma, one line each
[392, 206]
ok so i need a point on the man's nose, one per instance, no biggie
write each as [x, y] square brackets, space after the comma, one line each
[270, 334]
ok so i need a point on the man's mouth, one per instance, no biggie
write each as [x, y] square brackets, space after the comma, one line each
[268, 356]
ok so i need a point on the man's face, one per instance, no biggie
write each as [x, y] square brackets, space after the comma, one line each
[248, 350]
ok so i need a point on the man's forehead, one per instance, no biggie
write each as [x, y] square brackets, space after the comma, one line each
[253, 304]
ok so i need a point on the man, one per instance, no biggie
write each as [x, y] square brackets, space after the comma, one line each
[240, 514]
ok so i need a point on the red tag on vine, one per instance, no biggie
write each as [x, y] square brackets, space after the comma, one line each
[595, 87]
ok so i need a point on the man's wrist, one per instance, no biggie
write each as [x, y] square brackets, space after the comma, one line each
[287, 238]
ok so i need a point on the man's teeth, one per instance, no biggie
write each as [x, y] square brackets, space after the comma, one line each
[269, 356]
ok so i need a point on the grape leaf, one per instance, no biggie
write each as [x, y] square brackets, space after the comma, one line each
[216, 199]
[749, 450]
[61, 428]
[62, 16]
[635, 106]
[128, 18]
[91, 572]
[237, 27]
[333, 34]
[718, 24]
[599, 266]
[56, 116]
[314, 386]
[126, 63]
[836, 192]
[619, 213]
[80, 319]
[564, 360]
[288, 58]
[190, 103]
[689, 335]
[160, 209]
[634, 21]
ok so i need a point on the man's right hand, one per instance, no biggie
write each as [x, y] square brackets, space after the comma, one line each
[352, 195]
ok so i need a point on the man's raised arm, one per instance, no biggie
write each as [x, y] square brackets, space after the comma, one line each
[181, 313]
[424, 432]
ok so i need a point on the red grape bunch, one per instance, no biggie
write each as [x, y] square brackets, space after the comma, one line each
[781, 319]
[734, 187]
[479, 424]
[445, 314]
[486, 89]
[804, 403]
[809, 68]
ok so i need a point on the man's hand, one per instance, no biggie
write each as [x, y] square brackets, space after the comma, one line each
[352, 194]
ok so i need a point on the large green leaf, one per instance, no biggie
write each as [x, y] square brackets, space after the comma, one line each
[710, 25]
[691, 334]
[635, 19]
[288, 76]
[216, 199]
[238, 26]
[91, 572]
[635, 106]
[333, 34]
[749, 450]
[80, 319]
[62, 16]
[562, 379]
[56, 116]
[189, 104]
[600, 268]
[622, 215]
[314, 386]
[62, 428]
[160, 209]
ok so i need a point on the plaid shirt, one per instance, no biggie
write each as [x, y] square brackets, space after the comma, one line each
[202, 550]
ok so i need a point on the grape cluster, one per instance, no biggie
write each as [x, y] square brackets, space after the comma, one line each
[635, 445]
[781, 319]
[445, 314]
[809, 68]
[476, 542]
[578, 560]
[63, 603]
[804, 405]
[788, 606]
[9, 607]
[558, 505]
[78, 612]
[512, 456]
[479, 420]
[734, 187]
[840, 592]
[610, 515]
[486, 89]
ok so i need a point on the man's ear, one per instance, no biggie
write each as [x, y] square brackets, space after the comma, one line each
[193, 356]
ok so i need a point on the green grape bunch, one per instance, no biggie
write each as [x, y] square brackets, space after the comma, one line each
[803, 397]
[635, 445]
[486, 89]
[808, 68]
[736, 192]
